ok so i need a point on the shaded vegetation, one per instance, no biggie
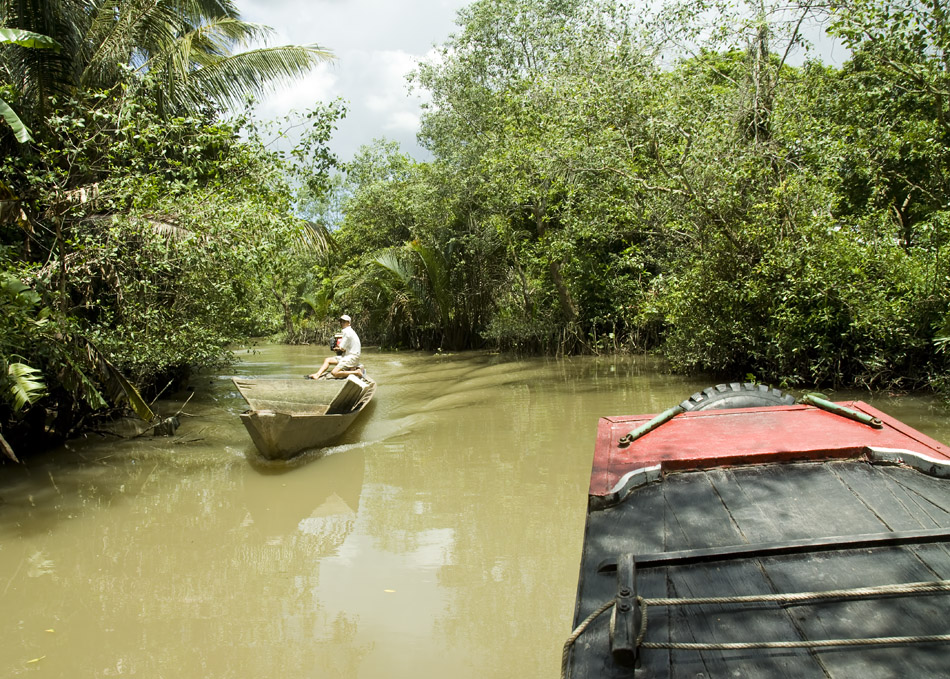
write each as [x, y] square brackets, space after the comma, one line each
[141, 232]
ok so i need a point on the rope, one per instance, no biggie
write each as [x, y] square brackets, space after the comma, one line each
[795, 597]
[566, 653]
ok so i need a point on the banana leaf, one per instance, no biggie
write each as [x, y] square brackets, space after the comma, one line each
[20, 130]
[116, 384]
[18, 36]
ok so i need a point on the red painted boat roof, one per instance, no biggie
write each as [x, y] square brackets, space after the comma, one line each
[712, 438]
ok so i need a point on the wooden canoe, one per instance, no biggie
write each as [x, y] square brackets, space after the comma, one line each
[287, 417]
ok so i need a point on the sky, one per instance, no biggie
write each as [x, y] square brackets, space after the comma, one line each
[376, 44]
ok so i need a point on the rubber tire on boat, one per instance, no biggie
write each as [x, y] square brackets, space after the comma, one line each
[737, 395]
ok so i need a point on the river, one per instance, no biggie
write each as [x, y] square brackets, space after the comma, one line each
[440, 538]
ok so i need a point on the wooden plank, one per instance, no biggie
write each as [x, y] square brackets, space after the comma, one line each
[351, 391]
[897, 507]
[729, 623]
[759, 550]
[746, 506]
[290, 396]
[904, 499]
[808, 499]
[890, 616]
[713, 519]
[696, 516]
[706, 509]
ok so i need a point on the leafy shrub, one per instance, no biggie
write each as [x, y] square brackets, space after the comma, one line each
[826, 310]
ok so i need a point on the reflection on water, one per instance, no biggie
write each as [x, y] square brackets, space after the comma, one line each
[440, 537]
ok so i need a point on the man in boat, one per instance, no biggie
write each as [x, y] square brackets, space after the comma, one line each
[348, 363]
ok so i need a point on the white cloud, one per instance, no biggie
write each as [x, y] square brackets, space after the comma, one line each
[387, 70]
[319, 86]
[376, 42]
[403, 122]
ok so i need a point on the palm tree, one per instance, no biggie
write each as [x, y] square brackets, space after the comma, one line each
[190, 52]
[419, 290]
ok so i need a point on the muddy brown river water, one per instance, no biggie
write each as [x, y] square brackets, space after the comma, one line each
[440, 538]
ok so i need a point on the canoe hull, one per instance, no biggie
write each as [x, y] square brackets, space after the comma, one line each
[292, 426]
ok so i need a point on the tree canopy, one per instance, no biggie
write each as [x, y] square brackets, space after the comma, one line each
[602, 180]
[686, 179]
[144, 224]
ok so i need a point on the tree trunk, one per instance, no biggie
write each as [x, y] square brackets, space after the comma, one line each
[568, 307]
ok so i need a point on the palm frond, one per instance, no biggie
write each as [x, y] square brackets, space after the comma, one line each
[83, 362]
[219, 38]
[319, 303]
[394, 264]
[148, 34]
[186, 46]
[163, 225]
[30, 40]
[407, 277]
[169, 230]
[75, 379]
[26, 386]
[41, 73]
[438, 274]
[205, 10]
[121, 30]
[102, 22]
[313, 238]
[6, 449]
[216, 38]
[232, 79]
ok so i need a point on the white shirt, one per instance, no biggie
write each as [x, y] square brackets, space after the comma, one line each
[350, 343]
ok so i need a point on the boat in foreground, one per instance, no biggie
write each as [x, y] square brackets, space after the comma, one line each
[287, 417]
[795, 540]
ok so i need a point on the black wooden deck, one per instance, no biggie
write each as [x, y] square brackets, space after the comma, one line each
[774, 504]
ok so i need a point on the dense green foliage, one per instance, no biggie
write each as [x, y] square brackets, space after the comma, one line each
[140, 234]
[602, 180]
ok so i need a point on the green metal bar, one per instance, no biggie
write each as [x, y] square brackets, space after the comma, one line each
[647, 427]
[863, 418]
